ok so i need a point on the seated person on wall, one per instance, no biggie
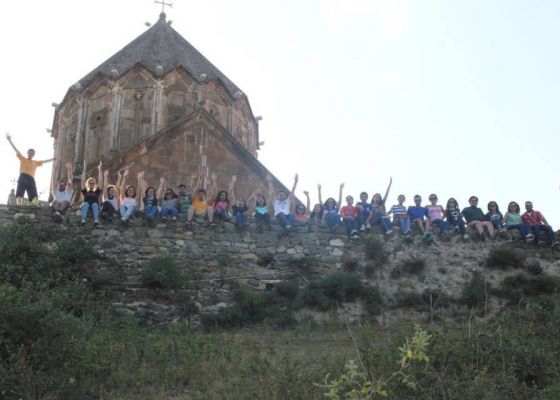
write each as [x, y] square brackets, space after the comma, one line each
[435, 215]
[301, 214]
[364, 210]
[316, 214]
[513, 221]
[169, 204]
[150, 202]
[349, 214]
[476, 220]
[378, 215]
[331, 208]
[62, 194]
[184, 199]
[454, 217]
[261, 215]
[282, 203]
[399, 214]
[201, 208]
[495, 216]
[223, 202]
[538, 224]
[91, 194]
[417, 213]
[128, 201]
[110, 196]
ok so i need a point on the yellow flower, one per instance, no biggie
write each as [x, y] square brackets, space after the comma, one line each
[409, 354]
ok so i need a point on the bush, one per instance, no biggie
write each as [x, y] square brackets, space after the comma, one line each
[375, 251]
[25, 256]
[287, 290]
[515, 288]
[250, 307]
[372, 299]
[475, 293]
[534, 267]
[304, 265]
[504, 256]
[413, 265]
[162, 272]
[349, 264]
[331, 291]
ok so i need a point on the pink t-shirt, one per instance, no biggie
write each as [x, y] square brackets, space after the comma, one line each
[435, 212]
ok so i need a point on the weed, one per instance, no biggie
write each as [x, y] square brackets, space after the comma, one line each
[504, 256]
[375, 251]
[372, 299]
[475, 293]
[349, 264]
[162, 272]
[534, 266]
[515, 288]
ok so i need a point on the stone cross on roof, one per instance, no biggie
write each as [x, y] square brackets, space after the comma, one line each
[163, 4]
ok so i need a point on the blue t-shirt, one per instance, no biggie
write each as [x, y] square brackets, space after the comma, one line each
[416, 212]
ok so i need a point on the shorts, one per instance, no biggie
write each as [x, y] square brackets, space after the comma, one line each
[26, 183]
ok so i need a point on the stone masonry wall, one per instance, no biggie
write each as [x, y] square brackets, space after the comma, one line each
[223, 256]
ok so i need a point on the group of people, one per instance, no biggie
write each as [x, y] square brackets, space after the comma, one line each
[110, 202]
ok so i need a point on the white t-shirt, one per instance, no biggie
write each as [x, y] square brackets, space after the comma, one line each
[62, 196]
[281, 206]
[129, 201]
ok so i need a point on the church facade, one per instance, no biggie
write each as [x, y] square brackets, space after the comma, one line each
[161, 107]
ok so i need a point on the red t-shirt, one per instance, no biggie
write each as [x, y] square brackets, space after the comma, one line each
[349, 212]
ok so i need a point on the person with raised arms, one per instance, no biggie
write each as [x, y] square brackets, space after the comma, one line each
[27, 167]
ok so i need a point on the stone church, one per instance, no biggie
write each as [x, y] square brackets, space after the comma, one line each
[159, 106]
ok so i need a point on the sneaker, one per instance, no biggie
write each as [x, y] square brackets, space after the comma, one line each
[466, 236]
[529, 236]
[362, 228]
[174, 219]
[288, 227]
[540, 243]
[368, 227]
[57, 213]
[554, 244]
[96, 222]
[389, 232]
[188, 225]
[163, 219]
[212, 225]
[354, 233]
[83, 222]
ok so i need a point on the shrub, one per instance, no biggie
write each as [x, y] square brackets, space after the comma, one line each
[519, 286]
[250, 307]
[369, 269]
[408, 298]
[372, 299]
[534, 267]
[335, 288]
[504, 256]
[287, 290]
[349, 264]
[162, 272]
[475, 292]
[375, 251]
[304, 265]
[413, 265]
[25, 257]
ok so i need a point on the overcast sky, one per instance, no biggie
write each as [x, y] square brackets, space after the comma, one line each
[451, 97]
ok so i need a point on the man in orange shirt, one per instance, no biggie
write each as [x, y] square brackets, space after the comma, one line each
[27, 167]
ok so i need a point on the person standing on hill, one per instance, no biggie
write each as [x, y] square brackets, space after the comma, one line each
[27, 167]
